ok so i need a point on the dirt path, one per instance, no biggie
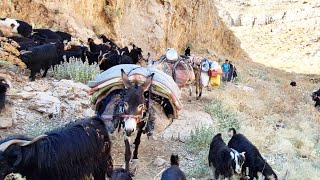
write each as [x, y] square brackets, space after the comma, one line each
[171, 140]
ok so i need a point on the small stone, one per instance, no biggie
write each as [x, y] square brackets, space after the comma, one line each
[28, 88]
[8, 117]
[88, 113]
[5, 122]
[23, 95]
[159, 162]
[22, 113]
[40, 87]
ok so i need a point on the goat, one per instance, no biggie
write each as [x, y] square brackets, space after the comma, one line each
[254, 161]
[316, 97]
[4, 85]
[224, 161]
[75, 151]
[40, 57]
[121, 174]
[173, 172]
[20, 27]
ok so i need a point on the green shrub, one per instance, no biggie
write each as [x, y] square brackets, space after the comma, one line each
[76, 70]
[198, 144]
[200, 138]
[200, 167]
[8, 65]
[225, 117]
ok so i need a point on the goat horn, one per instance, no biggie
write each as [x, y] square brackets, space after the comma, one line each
[122, 53]
[102, 60]
[5, 145]
[118, 51]
[24, 52]
[8, 82]
[34, 140]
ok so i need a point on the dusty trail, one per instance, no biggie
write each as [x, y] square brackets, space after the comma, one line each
[165, 142]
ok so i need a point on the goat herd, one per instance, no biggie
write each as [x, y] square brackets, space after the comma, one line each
[43, 48]
[83, 148]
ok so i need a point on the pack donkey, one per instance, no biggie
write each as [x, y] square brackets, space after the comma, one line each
[133, 114]
[184, 72]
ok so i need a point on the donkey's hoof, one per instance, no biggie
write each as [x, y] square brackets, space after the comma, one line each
[134, 165]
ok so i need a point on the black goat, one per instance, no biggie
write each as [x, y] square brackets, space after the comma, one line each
[107, 61]
[293, 83]
[43, 39]
[4, 85]
[121, 174]
[75, 151]
[40, 57]
[316, 98]
[223, 161]
[47, 34]
[173, 172]
[20, 39]
[25, 43]
[75, 51]
[106, 40]
[254, 161]
[18, 26]
[135, 54]
[97, 48]
[64, 36]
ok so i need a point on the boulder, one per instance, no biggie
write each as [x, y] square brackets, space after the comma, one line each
[8, 117]
[46, 103]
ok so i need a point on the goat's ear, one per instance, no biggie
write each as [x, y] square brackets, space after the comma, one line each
[14, 155]
[148, 82]
[232, 155]
[243, 153]
[125, 79]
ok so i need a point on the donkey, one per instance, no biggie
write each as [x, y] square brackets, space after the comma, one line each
[134, 109]
[185, 73]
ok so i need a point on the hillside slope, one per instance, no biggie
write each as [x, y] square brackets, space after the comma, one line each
[282, 34]
[154, 25]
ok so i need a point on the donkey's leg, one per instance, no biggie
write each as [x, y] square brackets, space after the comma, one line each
[190, 92]
[199, 87]
[137, 143]
[127, 153]
[200, 90]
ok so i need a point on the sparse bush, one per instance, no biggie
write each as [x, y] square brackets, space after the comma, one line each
[200, 138]
[200, 167]
[198, 143]
[225, 117]
[76, 70]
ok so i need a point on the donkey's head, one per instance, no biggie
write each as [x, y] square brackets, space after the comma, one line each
[134, 102]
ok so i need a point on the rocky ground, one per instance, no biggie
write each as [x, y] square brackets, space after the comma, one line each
[281, 34]
[39, 106]
[261, 104]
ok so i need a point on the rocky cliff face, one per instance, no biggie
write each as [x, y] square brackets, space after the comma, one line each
[152, 25]
[283, 34]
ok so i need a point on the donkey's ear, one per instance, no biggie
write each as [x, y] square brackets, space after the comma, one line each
[125, 79]
[148, 82]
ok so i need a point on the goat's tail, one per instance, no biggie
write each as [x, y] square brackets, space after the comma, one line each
[231, 132]
[174, 159]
